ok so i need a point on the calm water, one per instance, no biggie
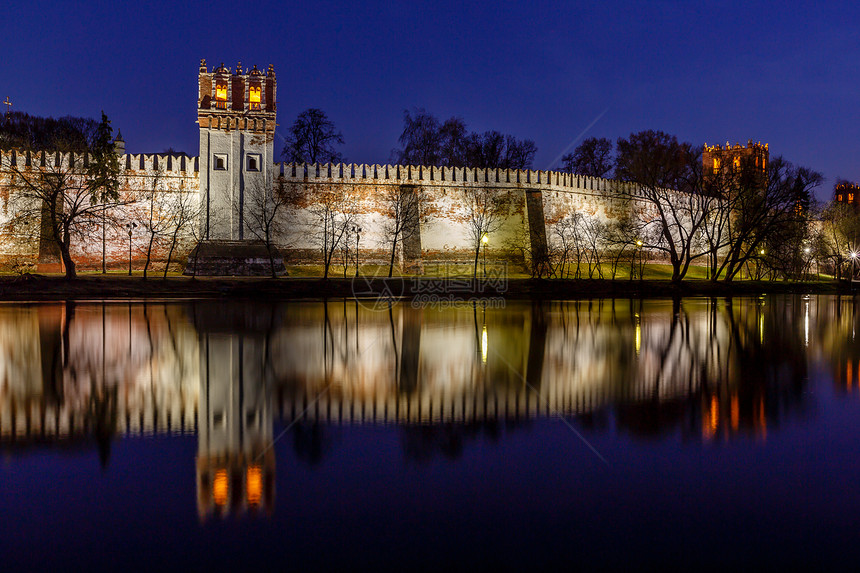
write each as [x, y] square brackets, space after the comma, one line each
[702, 433]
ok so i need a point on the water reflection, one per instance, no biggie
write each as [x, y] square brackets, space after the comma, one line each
[699, 369]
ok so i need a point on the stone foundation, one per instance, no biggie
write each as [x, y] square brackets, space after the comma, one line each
[233, 258]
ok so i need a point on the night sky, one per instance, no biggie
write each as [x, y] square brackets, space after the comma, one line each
[784, 73]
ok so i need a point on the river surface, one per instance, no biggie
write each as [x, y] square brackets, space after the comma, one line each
[695, 433]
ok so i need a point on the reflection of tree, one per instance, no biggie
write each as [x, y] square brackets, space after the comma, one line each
[310, 441]
[421, 443]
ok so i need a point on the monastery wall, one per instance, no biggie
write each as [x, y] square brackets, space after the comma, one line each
[536, 201]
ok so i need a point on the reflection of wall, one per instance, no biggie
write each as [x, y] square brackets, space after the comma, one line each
[727, 364]
[58, 362]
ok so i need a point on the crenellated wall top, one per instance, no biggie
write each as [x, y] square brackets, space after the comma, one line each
[368, 174]
[179, 165]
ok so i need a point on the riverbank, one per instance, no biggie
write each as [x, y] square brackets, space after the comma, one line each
[446, 289]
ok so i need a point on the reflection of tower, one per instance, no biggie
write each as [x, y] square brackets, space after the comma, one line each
[235, 460]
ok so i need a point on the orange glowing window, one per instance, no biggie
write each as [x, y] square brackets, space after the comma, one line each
[254, 97]
[716, 164]
[850, 197]
[221, 92]
[220, 487]
[736, 163]
[839, 197]
[254, 482]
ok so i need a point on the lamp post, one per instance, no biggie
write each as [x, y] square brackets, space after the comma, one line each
[484, 241]
[357, 231]
[130, 227]
[853, 255]
[639, 256]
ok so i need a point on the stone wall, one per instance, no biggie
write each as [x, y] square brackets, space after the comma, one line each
[537, 199]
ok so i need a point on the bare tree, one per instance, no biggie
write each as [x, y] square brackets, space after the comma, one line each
[401, 205]
[667, 177]
[762, 208]
[839, 235]
[184, 212]
[154, 221]
[56, 200]
[266, 214]
[486, 210]
[312, 139]
[593, 157]
[333, 210]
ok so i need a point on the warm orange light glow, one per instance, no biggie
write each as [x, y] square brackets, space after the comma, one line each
[839, 197]
[254, 97]
[850, 197]
[220, 487]
[849, 374]
[254, 482]
[221, 92]
[715, 414]
[735, 412]
[762, 419]
[716, 164]
[736, 163]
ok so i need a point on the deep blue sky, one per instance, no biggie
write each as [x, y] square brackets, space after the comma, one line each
[785, 73]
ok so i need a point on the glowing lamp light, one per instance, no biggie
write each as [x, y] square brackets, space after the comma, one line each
[485, 239]
[638, 243]
[853, 254]
[761, 252]
[484, 345]
[806, 250]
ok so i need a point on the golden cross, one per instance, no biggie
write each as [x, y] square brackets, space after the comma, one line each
[8, 105]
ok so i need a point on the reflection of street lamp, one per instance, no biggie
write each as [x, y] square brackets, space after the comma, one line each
[853, 256]
[357, 231]
[130, 227]
[484, 241]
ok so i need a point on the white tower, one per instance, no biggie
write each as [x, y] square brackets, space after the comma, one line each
[236, 113]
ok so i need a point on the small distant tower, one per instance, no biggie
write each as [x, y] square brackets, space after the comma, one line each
[718, 160]
[236, 113]
[847, 193]
[119, 144]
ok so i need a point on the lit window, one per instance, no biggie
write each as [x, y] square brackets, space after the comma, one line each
[255, 97]
[716, 164]
[851, 197]
[736, 163]
[219, 162]
[839, 197]
[253, 162]
[221, 95]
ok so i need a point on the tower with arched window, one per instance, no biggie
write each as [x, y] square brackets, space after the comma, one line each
[236, 112]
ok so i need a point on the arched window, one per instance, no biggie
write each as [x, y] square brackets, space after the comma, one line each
[716, 165]
[254, 97]
[221, 95]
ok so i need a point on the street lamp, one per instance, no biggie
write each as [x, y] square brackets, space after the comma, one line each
[357, 231]
[130, 227]
[484, 241]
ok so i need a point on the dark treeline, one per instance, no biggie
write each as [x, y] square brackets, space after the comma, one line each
[24, 131]
[427, 141]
